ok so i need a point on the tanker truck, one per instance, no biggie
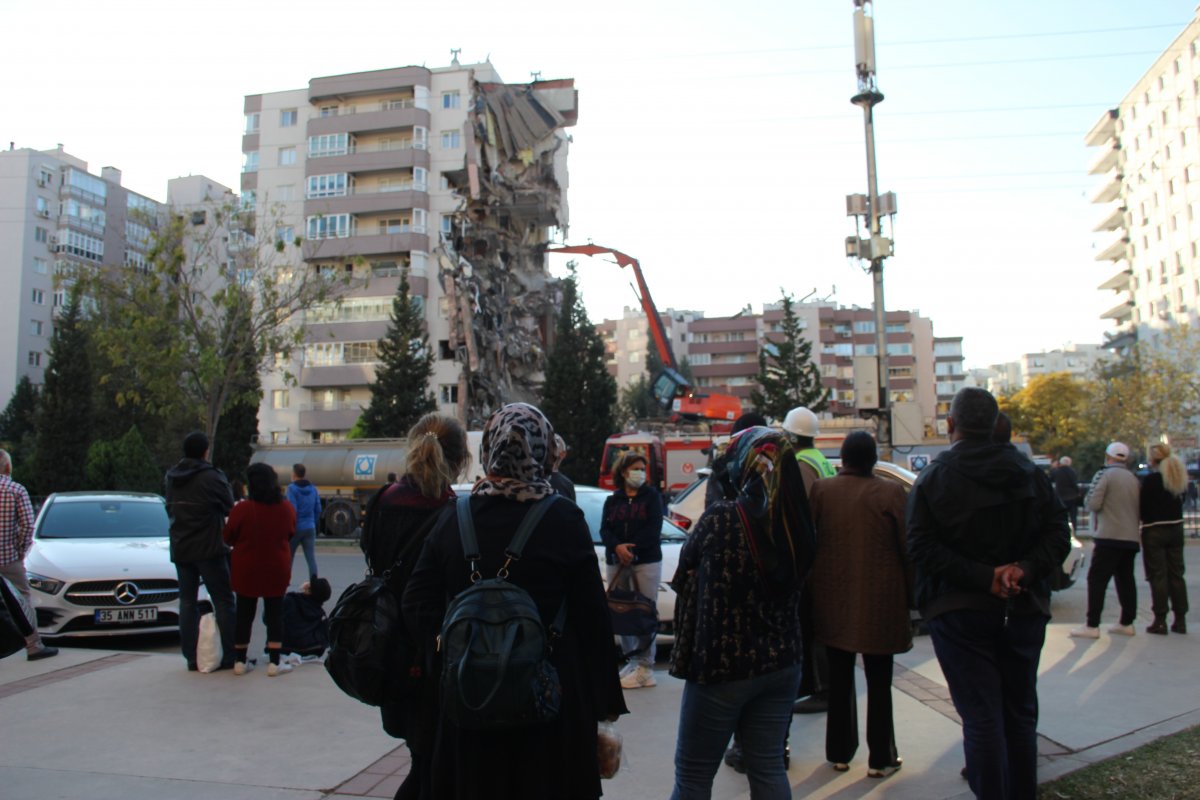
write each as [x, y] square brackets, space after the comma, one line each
[347, 473]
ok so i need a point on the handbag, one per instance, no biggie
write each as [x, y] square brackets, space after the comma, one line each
[632, 613]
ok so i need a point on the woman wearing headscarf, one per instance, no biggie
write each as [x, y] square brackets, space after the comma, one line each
[861, 583]
[548, 760]
[1161, 503]
[737, 633]
[399, 518]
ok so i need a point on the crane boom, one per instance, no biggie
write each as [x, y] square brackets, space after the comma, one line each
[670, 388]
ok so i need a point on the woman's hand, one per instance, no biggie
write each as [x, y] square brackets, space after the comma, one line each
[624, 553]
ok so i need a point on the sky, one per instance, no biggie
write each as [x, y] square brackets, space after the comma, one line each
[716, 142]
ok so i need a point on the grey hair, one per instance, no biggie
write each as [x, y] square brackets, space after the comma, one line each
[5, 460]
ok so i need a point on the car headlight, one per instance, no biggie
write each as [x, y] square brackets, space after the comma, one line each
[43, 584]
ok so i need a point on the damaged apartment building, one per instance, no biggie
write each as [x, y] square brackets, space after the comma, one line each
[447, 173]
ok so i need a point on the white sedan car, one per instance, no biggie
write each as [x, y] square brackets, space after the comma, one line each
[100, 566]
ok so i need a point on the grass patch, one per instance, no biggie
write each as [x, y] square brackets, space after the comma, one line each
[1168, 769]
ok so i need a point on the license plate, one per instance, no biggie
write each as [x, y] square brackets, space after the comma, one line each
[119, 615]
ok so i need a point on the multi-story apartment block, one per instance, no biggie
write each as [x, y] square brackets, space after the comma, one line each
[723, 352]
[627, 341]
[1150, 163]
[1078, 360]
[59, 219]
[377, 172]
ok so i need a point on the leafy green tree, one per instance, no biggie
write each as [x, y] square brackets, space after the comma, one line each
[1051, 411]
[787, 375]
[219, 295]
[123, 465]
[579, 395]
[18, 423]
[65, 412]
[400, 393]
[238, 427]
[638, 402]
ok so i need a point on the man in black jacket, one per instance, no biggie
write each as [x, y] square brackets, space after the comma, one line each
[986, 532]
[198, 500]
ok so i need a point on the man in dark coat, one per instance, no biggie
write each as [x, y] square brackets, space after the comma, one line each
[986, 533]
[198, 500]
[1066, 486]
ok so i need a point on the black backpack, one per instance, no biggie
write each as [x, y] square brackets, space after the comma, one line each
[371, 657]
[496, 671]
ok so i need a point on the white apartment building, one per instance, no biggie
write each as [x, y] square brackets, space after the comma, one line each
[1150, 163]
[59, 218]
[378, 172]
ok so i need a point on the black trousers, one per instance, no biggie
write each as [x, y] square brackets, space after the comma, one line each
[841, 722]
[814, 666]
[1116, 564]
[272, 618]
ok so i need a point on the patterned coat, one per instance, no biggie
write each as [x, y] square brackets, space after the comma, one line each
[862, 578]
[726, 627]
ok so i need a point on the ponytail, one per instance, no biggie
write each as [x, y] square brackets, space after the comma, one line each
[1172, 469]
[437, 453]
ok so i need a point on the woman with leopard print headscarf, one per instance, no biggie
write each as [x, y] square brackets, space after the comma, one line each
[551, 760]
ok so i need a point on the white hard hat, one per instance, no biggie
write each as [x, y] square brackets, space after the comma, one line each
[801, 422]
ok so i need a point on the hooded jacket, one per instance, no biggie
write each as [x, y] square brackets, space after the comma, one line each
[198, 499]
[305, 498]
[978, 506]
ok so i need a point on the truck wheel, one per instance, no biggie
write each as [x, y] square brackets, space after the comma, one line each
[341, 519]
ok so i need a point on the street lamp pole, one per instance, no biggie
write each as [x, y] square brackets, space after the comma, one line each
[875, 247]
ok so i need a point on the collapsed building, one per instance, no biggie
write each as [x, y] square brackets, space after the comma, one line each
[502, 300]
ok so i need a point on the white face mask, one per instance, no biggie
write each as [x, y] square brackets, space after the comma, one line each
[635, 478]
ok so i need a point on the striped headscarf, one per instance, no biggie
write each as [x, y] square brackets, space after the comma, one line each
[518, 453]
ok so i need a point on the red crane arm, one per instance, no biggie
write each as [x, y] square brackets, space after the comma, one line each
[658, 331]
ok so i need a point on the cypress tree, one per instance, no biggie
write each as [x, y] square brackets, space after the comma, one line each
[18, 424]
[579, 396]
[400, 392]
[787, 375]
[65, 413]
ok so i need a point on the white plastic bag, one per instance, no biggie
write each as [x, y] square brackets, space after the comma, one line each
[208, 646]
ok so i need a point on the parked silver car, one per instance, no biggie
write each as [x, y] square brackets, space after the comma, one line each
[100, 565]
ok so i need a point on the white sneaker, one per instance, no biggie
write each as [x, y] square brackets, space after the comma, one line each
[242, 667]
[278, 669]
[1122, 630]
[1085, 632]
[625, 670]
[640, 678]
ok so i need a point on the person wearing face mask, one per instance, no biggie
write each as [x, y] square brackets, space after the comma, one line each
[630, 527]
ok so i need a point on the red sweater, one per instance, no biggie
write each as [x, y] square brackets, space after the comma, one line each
[262, 559]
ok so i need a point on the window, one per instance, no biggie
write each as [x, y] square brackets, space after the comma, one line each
[443, 181]
[285, 193]
[867, 326]
[420, 179]
[451, 99]
[700, 359]
[446, 225]
[329, 144]
[252, 121]
[43, 207]
[334, 226]
[36, 327]
[279, 398]
[328, 111]
[865, 350]
[899, 349]
[82, 245]
[397, 225]
[420, 139]
[39, 297]
[327, 186]
[250, 161]
[45, 178]
[420, 220]
[41, 235]
[287, 156]
[1178, 263]
[59, 298]
[40, 266]
[287, 118]
[635, 358]
[451, 140]
[285, 234]
[35, 358]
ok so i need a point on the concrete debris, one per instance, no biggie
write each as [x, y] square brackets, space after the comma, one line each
[503, 302]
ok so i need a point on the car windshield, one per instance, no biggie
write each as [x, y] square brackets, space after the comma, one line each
[591, 501]
[103, 519]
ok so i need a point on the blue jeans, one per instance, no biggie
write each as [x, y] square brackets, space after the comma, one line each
[759, 709]
[307, 538]
[991, 668]
[645, 578]
[215, 574]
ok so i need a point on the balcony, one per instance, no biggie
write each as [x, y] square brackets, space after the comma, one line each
[368, 202]
[369, 159]
[1112, 221]
[339, 419]
[371, 245]
[1120, 312]
[1111, 189]
[380, 121]
[744, 346]
[1107, 160]
[1119, 282]
[380, 81]
[340, 375]
[1104, 131]
[1117, 251]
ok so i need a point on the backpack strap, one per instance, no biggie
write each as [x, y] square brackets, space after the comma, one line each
[466, 535]
[470, 543]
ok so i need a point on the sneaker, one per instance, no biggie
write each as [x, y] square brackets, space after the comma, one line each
[628, 668]
[278, 669]
[242, 667]
[1122, 630]
[884, 772]
[1085, 632]
[642, 677]
[45, 652]
[813, 704]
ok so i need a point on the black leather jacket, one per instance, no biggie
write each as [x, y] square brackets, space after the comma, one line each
[198, 500]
